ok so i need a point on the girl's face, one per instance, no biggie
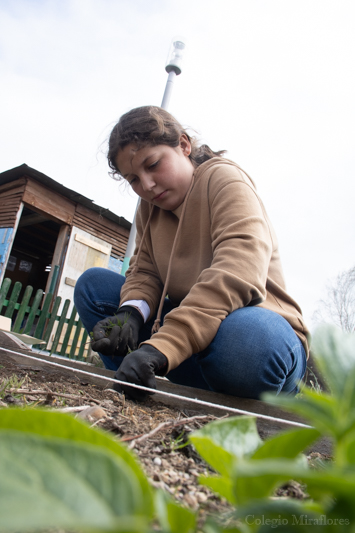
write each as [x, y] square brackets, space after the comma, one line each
[160, 174]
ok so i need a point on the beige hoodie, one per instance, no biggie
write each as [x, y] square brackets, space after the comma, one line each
[226, 257]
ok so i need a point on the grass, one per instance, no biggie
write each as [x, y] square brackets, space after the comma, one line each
[13, 382]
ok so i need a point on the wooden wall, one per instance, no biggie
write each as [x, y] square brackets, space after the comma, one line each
[44, 199]
[59, 208]
[99, 226]
[10, 200]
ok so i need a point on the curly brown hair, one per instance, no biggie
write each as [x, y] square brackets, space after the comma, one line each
[152, 125]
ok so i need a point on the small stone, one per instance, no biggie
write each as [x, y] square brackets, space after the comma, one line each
[191, 500]
[92, 414]
[201, 497]
[157, 461]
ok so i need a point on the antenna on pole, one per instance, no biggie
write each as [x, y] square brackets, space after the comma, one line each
[173, 68]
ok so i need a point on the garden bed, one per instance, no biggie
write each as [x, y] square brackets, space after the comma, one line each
[154, 431]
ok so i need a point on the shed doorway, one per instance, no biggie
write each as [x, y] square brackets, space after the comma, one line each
[32, 251]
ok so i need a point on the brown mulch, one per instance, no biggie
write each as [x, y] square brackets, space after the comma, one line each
[156, 433]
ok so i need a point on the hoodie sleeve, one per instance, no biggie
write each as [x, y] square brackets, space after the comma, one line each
[241, 252]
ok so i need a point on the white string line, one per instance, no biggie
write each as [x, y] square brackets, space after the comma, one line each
[171, 395]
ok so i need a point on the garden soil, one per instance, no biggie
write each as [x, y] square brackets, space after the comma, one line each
[155, 433]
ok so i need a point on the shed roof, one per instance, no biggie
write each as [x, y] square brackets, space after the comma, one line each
[24, 170]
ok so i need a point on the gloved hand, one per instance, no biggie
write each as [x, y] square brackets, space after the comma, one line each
[118, 334]
[141, 367]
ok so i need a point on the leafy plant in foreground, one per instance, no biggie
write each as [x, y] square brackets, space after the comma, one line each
[56, 472]
[251, 470]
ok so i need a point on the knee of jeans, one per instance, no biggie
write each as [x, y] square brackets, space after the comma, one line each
[247, 365]
[79, 291]
[93, 285]
[296, 375]
[88, 276]
[83, 283]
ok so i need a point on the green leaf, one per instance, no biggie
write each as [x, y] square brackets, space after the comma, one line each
[286, 445]
[218, 458]
[318, 409]
[321, 410]
[210, 526]
[333, 414]
[255, 479]
[234, 448]
[258, 479]
[345, 452]
[172, 517]
[221, 485]
[221, 442]
[64, 426]
[231, 445]
[334, 352]
[334, 482]
[238, 435]
[48, 482]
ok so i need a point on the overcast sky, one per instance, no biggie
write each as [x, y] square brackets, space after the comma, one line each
[271, 81]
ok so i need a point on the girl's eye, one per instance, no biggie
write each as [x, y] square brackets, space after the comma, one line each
[132, 180]
[153, 165]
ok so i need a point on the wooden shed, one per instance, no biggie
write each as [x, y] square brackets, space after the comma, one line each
[50, 234]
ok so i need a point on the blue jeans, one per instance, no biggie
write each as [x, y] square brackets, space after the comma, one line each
[255, 350]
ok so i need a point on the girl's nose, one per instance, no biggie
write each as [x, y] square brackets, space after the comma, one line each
[147, 182]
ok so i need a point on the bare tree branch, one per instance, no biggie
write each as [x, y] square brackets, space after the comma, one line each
[339, 305]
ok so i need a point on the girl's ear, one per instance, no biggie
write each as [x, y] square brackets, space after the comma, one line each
[185, 145]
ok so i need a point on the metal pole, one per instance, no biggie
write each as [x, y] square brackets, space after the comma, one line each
[168, 89]
[173, 67]
[131, 243]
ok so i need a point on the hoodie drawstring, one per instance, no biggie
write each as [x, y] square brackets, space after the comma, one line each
[156, 324]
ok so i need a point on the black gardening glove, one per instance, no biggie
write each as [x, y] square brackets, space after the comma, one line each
[118, 334]
[141, 367]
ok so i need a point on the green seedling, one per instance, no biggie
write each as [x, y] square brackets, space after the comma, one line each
[13, 382]
[176, 444]
[111, 325]
[314, 382]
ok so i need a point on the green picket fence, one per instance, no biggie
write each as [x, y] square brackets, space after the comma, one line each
[65, 336]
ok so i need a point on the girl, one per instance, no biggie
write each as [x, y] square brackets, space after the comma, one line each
[206, 273]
